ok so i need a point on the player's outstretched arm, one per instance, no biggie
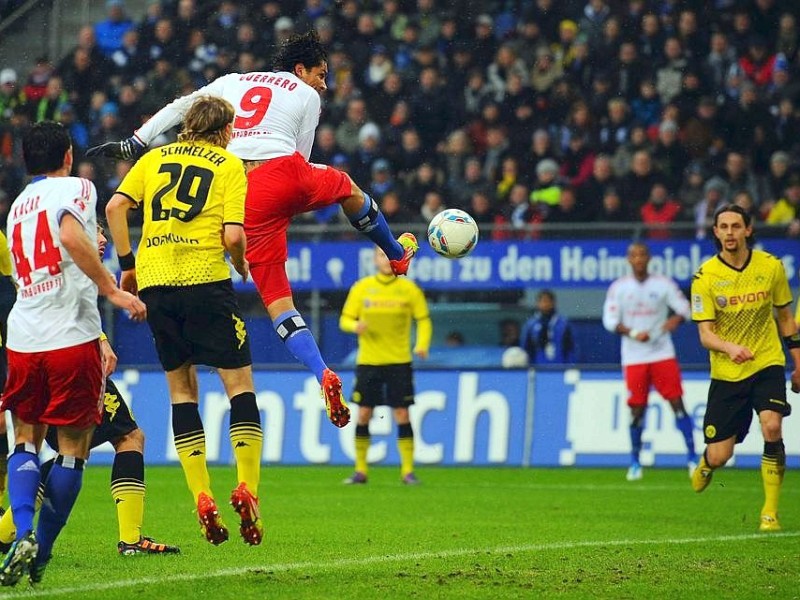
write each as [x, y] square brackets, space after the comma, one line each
[128, 149]
[424, 335]
[83, 252]
[236, 244]
[108, 356]
[165, 119]
[117, 217]
[711, 341]
[787, 327]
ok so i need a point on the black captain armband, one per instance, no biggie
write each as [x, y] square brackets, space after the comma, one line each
[127, 262]
[792, 341]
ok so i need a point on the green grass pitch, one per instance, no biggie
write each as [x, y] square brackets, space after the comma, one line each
[464, 533]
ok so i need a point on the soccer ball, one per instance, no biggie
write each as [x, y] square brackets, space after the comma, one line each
[453, 233]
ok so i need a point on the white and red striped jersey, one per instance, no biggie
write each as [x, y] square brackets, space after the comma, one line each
[56, 303]
[276, 114]
[644, 306]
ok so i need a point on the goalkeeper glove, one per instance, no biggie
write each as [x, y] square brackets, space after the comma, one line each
[128, 149]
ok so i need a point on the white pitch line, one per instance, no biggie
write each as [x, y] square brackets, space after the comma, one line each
[27, 592]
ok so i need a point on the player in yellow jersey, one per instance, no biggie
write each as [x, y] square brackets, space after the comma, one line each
[380, 309]
[8, 294]
[741, 303]
[192, 194]
[797, 315]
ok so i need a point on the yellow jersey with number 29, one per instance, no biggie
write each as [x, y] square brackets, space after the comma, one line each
[741, 303]
[188, 192]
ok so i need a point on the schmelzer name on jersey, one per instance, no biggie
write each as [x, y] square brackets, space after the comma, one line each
[199, 151]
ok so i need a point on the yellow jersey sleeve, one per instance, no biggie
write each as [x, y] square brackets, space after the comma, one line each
[5, 256]
[781, 214]
[419, 309]
[797, 314]
[351, 311]
[702, 299]
[781, 294]
[133, 185]
[235, 191]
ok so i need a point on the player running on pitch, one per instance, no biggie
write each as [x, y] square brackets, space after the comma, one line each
[741, 303]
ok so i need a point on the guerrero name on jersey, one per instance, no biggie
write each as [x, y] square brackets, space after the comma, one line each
[276, 114]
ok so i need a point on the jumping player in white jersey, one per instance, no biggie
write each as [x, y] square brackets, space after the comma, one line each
[277, 115]
[55, 371]
[637, 307]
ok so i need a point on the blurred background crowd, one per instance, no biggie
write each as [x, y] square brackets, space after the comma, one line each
[523, 112]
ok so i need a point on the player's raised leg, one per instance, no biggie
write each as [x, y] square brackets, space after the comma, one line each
[366, 217]
[273, 286]
[716, 454]
[701, 476]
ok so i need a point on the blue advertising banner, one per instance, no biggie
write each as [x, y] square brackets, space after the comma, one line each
[581, 418]
[458, 418]
[493, 265]
[487, 417]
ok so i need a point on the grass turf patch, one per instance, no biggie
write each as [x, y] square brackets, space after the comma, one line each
[463, 533]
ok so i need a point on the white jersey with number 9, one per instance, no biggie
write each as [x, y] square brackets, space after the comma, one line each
[276, 114]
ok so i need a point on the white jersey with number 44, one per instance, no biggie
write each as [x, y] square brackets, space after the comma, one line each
[644, 306]
[276, 114]
[56, 303]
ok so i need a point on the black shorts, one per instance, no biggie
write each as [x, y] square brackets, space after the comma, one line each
[385, 385]
[198, 324]
[117, 420]
[731, 403]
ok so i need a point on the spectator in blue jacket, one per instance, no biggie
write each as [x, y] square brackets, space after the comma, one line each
[547, 336]
[109, 33]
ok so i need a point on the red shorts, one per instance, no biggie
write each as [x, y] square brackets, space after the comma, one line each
[56, 387]
[664, 375]
[271, 281]
[277, 191]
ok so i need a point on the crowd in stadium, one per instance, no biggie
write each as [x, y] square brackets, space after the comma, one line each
[519, 111]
